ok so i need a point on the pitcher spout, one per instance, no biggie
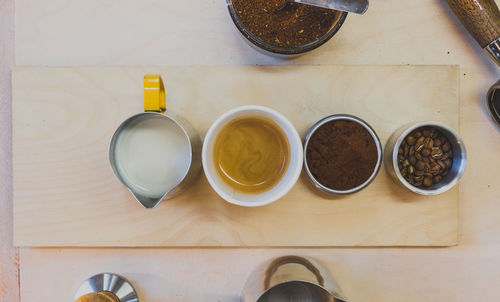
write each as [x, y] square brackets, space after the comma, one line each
[146, 201]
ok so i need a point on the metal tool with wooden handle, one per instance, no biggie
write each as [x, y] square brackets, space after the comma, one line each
[482, 19]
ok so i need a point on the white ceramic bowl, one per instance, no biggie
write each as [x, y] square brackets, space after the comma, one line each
[256, 199]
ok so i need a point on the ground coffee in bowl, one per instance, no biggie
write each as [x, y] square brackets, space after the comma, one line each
[343, 154]
[294, 25]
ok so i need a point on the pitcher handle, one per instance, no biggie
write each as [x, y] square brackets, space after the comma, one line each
[273, 267]
[154, 93]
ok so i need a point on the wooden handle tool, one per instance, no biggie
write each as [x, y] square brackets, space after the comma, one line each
[482, 19]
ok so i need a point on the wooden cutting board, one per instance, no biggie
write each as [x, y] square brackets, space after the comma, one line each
[65, 193]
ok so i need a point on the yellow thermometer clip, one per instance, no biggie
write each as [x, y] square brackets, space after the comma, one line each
[154, 93]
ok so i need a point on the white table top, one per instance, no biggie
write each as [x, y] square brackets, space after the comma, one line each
[150, 32]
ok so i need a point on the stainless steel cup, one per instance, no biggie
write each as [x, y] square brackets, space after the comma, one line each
[195, 156]
[457, 147]
[291, 278]
[154, 105]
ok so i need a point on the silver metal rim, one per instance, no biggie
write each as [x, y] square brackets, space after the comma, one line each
[427, 192]
[372, 133]
[114, 283]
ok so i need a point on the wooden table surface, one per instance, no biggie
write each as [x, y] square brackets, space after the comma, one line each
[112, 32]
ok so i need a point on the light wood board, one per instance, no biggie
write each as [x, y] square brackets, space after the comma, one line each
[66, 195]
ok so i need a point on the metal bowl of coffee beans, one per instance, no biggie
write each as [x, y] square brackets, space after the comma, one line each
[282, 29]
[428, 158]
[342, 154]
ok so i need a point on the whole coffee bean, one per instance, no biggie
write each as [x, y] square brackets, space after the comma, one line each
[420, 165]
[412, 151]
[442, 164]
[411, 140]
[411, 170]
[436, 153]
[435, 169]
[428, 181]
[446, 147]
[430, 144]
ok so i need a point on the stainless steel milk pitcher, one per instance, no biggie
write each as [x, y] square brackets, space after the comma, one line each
[291, 278]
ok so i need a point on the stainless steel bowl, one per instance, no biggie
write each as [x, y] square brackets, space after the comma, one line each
[282, 51]
[311, 131]
[457, 147]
